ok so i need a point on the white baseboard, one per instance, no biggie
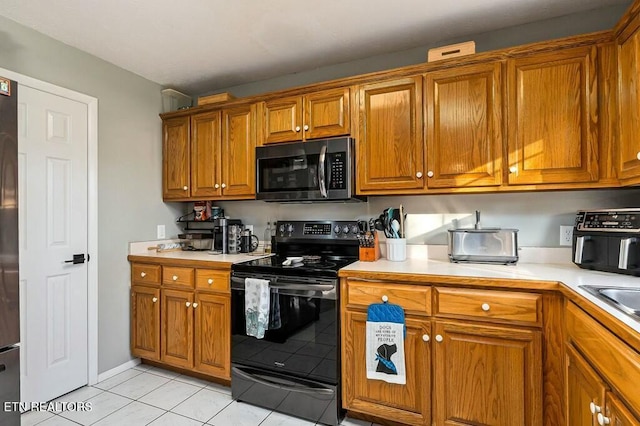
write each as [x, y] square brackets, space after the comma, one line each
[119, 369]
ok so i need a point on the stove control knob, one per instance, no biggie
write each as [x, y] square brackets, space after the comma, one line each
[282, 228]
[337, 229]
[354, 229]
[345, 229]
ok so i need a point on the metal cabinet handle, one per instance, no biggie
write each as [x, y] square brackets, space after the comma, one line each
[188, 304]
[577, 257]
[154, 300]
[594, 408]
[425, 337]
[439, 338]
[485, 307]
[143, 274]
[602, 420]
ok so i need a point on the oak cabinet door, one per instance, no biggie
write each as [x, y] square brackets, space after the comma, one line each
[617, 413]
[145, 322]
[213, 335]
[585, 390]
[486, 375]
[282, 120]
[175, 158]
[205, 155]
[410, 403]
[629, 102]
[553, 136]
[464, 126]
[238, 151]
[326, 114]
[177, 328]
[390, 145]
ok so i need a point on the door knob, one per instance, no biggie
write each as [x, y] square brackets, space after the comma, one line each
[602, 420]
[216, 186]
[513, 169]
[594, 408]
[429, 173]
[224, 185]
[419, 175]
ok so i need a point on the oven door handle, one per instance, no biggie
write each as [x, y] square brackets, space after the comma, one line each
[238, 284]
[263, 381]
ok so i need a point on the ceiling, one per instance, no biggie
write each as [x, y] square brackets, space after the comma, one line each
[198, 46]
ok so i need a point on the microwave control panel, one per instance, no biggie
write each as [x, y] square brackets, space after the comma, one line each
[624, 220]
[338, 169]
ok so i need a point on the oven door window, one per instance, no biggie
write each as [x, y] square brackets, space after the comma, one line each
[302, 339]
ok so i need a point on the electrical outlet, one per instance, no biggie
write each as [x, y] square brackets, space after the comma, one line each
[566, 235]
[160, 232]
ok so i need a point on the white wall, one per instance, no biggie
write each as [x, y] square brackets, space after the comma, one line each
[129, 164]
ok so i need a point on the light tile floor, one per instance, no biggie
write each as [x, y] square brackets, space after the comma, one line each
[146, 395]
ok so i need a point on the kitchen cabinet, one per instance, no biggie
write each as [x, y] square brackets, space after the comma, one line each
[181, 317]
[176, 166]
[553, 117]
[628, 45]
[389, 136]
[315, 115]
[463, 113]
[602, 372]
[145, 322]
[484, 373]
[210, 155]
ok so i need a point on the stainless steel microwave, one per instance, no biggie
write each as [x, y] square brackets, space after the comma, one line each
[319, 170]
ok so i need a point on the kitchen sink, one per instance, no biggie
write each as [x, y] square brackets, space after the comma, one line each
[625, 299]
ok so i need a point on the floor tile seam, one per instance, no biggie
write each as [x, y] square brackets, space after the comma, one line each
[108, 414]
[210, 418]
[169, 409]
[72, 421]
[142, 396]
[118, 384]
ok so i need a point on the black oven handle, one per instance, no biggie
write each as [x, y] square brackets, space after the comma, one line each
[321, 171]
[263, 381]
[286, 286]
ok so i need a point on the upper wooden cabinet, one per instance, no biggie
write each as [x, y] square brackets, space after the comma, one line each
[629, 103]
[390, 146]
[463, 110]
[552, 117]
[210, 155]
[175, 158]
[315, 115]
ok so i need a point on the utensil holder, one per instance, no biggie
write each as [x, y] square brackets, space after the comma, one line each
[397, 249]
[371, 254]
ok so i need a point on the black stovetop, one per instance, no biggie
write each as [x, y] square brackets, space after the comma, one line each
[325, 267]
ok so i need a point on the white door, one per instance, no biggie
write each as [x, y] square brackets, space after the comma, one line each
[52, 167]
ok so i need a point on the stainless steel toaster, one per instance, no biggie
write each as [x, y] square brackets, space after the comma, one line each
[487, 245]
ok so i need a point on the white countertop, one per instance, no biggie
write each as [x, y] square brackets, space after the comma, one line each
[567, 273]
[141, 248]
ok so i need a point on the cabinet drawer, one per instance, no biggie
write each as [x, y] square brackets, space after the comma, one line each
[207, 279]
[410, 297]
[488, 304]
[173, 275]
[145, 274]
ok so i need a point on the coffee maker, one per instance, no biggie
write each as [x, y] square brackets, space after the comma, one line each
[221, 240]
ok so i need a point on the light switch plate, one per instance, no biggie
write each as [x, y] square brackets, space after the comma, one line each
[160, 232]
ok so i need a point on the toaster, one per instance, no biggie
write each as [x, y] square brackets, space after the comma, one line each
[486, 245]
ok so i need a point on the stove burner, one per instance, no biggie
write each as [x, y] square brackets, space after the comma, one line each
[309, 259]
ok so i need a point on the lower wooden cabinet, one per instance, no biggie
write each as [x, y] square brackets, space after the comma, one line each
[409, 403]
[145, 322]
[183, 327]
[616, 413]
[486, 375]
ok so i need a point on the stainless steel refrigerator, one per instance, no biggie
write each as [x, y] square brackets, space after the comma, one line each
[9, 283]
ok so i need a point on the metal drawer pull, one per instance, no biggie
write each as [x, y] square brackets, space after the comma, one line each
[143, 274]
[175, 278]
[154, 300]
[210, 281]
[385, 299]
[486, 307]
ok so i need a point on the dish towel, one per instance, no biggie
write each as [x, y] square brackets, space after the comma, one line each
[385, 333]
[256, 306]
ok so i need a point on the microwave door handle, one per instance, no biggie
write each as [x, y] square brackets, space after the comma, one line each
[321, 171]
[577, 257]
[623, 258]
